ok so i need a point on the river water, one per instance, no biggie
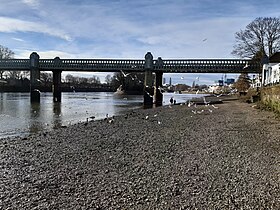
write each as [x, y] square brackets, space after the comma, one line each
[19, 117]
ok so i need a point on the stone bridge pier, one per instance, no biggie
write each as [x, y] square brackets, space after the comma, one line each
[148, 83]
[152, 84]
[34, 77]
[56, 87]
[152, 94]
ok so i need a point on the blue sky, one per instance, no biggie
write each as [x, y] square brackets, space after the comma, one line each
[129, 28]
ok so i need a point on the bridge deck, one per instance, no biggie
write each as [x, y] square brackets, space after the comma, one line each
[115, 65]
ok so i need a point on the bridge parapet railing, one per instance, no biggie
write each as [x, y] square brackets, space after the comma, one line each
[91, 64]
[12, 64]
[211, 65]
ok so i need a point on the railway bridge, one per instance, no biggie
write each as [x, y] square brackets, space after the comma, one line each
[148, 65]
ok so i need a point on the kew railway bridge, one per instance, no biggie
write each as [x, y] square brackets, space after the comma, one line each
[148, 65]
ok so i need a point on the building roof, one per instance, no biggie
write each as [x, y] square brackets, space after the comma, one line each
[275, 58]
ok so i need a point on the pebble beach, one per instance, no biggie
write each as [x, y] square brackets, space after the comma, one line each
[222, 156]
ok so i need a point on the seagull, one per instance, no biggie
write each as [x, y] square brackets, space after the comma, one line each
[210, 110]
[161, 90]
[204, 40]
[199, 112]
[215, 107]
[205, 102]
[182, 77]
[197, 92]
[246, 66]
[149, 94]
[147, 117]
[124, 74]
[111, 120]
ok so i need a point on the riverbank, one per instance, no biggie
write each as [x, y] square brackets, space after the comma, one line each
[225, 157]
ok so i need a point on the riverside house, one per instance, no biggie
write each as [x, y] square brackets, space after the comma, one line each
[271, 71]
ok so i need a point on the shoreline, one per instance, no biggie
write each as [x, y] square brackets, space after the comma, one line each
[169, 157]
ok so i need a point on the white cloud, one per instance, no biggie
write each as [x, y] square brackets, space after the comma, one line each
[43, 54]
[10, 25]
[31, 3]
[18, 39]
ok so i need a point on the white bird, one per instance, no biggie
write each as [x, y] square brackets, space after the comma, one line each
[197, 92]
[182, 77]
[246, 66]
[210, 110]
[194, 111]
[215, 107]
[160, 89]
[205, 102]
[124, 74]
[199, 112]
[147, 117]
[110, 121]
[159, 122]
[149, 94]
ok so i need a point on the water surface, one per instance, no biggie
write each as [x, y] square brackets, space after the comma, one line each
[20, 117]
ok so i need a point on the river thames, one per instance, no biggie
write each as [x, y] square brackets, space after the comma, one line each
[20, 117]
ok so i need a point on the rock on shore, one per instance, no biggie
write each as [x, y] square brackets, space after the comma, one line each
[175, 157]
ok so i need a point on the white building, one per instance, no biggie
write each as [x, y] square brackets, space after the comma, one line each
[271, 71]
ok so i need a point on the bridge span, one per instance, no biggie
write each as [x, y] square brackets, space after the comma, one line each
[148, 65]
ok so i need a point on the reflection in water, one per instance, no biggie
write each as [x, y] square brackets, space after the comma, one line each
[57, 123]
[20, 117]
[35, 113]
[1, 103]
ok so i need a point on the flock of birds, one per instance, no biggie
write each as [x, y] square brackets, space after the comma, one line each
[190, 104]
[195, 109]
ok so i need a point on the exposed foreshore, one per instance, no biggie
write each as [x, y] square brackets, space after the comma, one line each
[172, 157]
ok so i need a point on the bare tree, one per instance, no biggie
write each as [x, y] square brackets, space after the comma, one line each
[261, 35]
[14, 74]
[243, 83]
[108, 79]
[46, 78]
[5, 53]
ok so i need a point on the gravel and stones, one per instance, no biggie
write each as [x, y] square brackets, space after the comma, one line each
[172, 157]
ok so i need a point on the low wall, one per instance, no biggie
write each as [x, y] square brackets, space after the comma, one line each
[270, 97]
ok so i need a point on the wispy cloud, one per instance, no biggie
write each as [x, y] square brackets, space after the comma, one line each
[10, 25]
[18, 39]
[31, 3]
